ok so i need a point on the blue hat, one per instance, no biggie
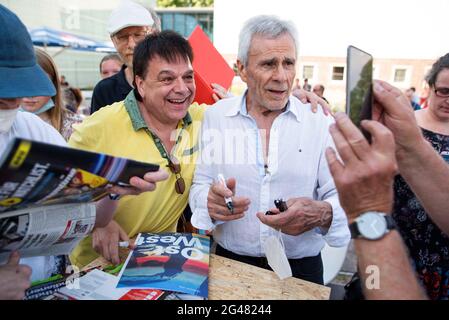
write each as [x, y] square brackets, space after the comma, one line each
[21, 76]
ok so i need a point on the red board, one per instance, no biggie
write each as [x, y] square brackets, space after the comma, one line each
[209, 65]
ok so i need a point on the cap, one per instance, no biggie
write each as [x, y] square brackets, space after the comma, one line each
[128, 14]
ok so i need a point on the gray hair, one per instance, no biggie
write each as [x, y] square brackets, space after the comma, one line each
[266, 26]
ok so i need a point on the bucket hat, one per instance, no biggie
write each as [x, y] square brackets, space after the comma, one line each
[20, 74]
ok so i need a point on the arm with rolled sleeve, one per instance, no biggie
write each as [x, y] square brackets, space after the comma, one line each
[338, 234]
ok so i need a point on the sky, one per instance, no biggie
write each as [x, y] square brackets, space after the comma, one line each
[413, 29]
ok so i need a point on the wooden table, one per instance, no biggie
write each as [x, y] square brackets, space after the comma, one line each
[234, 280]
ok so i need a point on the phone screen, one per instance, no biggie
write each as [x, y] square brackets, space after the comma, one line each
[359, 86]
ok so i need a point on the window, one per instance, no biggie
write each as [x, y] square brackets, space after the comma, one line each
[338, 73]
[400, 75]
[307, 72]
[185, 22]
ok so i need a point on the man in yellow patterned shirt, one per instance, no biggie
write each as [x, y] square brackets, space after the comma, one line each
[156, 123]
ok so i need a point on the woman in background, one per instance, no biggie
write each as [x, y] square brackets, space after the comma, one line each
[427, 244]
[110, 65]
[51, 109]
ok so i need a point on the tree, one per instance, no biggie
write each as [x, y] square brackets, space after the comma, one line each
[184, 3]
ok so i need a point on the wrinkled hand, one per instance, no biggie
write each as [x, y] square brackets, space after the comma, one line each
[220, 92]
[392, 109]
[14, 279]
[139, 185]
[364, 176]
[105, 241]
[309, 97]
[217, 205]
[303, 214]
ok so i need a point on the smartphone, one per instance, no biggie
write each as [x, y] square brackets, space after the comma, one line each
[359, 86]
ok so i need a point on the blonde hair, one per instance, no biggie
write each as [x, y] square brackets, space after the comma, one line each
[57, 113]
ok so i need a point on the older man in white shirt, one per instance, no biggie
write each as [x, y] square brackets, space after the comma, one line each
[271, 146]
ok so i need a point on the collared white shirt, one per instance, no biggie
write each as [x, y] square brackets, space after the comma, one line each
[296, 167]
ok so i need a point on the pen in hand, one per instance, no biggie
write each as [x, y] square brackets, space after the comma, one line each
[123, 244]
[228, 201]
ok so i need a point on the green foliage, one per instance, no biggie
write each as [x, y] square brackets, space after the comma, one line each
[184, 3]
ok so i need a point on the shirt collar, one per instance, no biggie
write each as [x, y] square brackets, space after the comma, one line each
[121, 78]
[132, 107]
[241, 108]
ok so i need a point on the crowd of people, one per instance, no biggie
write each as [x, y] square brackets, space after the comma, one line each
[269, 143]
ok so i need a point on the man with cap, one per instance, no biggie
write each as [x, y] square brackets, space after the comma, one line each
[23, 77]
[128, 24]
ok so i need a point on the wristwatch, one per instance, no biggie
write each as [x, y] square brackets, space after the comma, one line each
[372, 225]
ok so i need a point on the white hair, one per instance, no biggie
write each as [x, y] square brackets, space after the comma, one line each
[266, 26]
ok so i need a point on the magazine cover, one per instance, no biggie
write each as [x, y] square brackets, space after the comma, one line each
[35, 173]
[168, 261]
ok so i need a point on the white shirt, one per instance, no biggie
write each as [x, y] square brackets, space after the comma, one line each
[297, 167]
[29, 126]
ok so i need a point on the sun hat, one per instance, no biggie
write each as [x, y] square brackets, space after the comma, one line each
[20, 74]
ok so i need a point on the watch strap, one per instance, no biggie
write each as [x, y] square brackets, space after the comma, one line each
[391, 224]
[354, 229]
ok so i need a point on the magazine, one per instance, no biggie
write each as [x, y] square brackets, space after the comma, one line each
[176, 262]
[35, 174]
[100, 285]
[46, 230]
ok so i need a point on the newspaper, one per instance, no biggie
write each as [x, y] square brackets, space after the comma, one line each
[46, 230]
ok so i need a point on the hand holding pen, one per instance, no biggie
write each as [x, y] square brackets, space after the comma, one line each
[228, 200]
[222, 203]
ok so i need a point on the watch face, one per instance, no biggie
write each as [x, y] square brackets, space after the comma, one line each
[372, 225]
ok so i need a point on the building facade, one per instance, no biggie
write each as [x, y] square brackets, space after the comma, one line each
[82, 17]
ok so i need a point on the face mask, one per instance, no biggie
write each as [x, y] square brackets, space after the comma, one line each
[7, 118]
[50, 104]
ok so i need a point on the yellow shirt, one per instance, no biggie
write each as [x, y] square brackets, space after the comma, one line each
[119, 130]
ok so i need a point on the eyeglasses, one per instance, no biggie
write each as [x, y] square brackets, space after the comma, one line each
[180, 185]
[137, 37]
[442, 92]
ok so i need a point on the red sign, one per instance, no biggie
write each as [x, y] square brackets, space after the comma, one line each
[209, 66]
